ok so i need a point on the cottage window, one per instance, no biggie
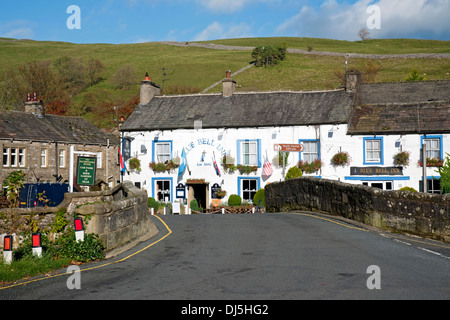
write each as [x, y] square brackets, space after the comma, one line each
[434, 186]
[99, 160]
[433, 147]
[43, 158]
[163, 190]
[249, 188]
[310, 151]
[249, 152]
[163, 151]
[22, 157]
[14, 157]
[6, 157]
[373, 151]
[62, 158]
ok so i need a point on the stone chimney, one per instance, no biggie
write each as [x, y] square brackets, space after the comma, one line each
[148, 90]
[352, 81]
[35, 106]
[229, 85]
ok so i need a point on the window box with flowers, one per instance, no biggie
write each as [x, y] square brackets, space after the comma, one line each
[247, 169]
[312, 167]
[402, 158]
[163, 167]
[432, 162]
[341, 159]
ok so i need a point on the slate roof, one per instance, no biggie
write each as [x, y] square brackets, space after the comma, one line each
[259, 109]
[416, 118]
[405, 92]
[402, 108]
[75, 130]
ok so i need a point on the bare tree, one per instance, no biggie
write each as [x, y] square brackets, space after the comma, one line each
[124, 77]
[364, 34]
[94, 71]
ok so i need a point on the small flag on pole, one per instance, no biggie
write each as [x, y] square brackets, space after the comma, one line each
[267, 168]
[216, 167]
[123, 168]
[183, 164]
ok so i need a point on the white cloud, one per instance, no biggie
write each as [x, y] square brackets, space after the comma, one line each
[18, 29]
[223, 6]
[399, 18]
[232, 6]
[219, 31]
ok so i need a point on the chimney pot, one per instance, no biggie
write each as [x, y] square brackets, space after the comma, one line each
[229, 85]
[148, 90]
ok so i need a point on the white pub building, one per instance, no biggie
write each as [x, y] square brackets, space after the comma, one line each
[196, 146]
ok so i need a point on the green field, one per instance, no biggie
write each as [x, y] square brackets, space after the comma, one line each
[200, 67]
[375, 46]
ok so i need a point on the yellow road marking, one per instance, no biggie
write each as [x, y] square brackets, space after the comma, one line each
[389, 235]
[329, 220]
[96, 267]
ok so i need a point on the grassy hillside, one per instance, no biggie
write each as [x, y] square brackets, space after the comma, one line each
[200, 67]
[374, 46]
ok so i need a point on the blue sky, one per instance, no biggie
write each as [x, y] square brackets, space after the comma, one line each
[133, 21]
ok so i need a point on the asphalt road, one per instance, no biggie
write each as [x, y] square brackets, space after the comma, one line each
[258, 257]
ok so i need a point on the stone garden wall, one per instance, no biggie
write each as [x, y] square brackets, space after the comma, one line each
[422, 214]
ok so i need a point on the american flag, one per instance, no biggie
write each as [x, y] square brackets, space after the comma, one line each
[267, 168]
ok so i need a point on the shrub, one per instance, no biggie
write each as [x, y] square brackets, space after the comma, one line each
[90, 249]
[408, 189]
[152, 203]
[260, 194]
[294, 172]
[234, 200]
[194, 205]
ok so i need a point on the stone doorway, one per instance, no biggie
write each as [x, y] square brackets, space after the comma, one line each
[200, 192]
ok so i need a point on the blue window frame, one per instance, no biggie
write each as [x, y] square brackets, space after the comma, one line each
[249, 152]
[435, 146]
[162, 150]
[373, 151]
[311, 150]
[162, 189]
[247, 187]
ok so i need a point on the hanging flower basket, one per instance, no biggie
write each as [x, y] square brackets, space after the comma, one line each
[228, 164]
[341, 159]
[135, 164]
[402, 158]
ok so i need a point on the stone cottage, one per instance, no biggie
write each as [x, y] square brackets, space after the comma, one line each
[40, 145]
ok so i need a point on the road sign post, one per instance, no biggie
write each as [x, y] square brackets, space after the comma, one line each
[283, 148]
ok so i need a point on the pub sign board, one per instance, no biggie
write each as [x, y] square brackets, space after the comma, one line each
[86, 170]
[376, 171]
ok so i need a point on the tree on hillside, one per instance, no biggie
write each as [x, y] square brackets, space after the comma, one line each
[94, 69]
[34, 77]
[73, 74]
[269, 55]
[364, 34]
[124, 77]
